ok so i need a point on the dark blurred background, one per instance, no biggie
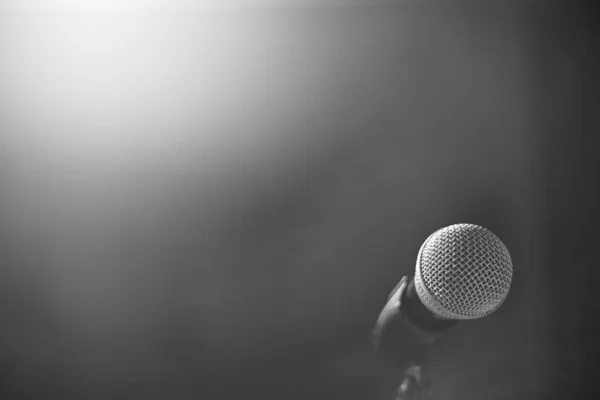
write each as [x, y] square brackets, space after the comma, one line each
[214, 202]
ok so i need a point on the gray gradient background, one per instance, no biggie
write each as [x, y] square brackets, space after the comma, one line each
[215, 203]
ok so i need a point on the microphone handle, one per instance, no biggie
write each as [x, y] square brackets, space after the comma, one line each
[404, 327]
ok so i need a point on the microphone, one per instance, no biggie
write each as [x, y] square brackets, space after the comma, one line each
[463, 272]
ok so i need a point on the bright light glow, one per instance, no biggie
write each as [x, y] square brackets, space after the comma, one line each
[207, 92]
[98, 5]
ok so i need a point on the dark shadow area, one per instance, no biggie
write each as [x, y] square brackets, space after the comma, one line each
[568, 108]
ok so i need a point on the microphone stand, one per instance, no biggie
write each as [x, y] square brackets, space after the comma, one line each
[411, 386]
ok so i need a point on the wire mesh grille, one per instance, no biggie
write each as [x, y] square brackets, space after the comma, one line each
[464, 272]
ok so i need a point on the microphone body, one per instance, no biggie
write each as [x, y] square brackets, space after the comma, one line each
[405, 326]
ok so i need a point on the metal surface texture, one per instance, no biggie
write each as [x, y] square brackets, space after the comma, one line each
[464, 271]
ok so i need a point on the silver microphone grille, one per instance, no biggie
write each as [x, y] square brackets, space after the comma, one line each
[463, 271]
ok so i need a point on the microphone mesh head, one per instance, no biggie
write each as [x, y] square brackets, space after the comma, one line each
[463, 271]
